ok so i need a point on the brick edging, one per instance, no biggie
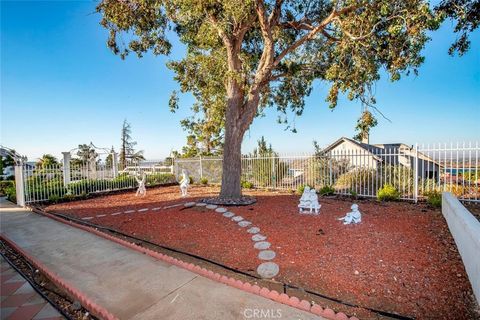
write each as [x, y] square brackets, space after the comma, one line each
[71, 290]
[274, 295]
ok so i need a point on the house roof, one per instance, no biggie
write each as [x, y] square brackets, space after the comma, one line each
[376, 150]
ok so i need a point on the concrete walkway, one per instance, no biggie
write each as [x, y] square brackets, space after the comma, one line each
[127, 283]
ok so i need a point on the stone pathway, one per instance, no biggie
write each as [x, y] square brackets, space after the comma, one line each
[19, 300]
[265, 270]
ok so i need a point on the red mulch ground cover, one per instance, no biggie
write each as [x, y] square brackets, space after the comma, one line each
[400, 259]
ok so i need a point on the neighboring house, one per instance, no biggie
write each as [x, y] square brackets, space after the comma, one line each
[361, 154]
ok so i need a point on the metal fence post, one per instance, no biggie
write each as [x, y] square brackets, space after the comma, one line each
[20, 183]
[66, 168]
[415, 175]
[201, 168]
[114, 164]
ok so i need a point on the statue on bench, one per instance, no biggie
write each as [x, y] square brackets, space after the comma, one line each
[353, 216]
[309, 201]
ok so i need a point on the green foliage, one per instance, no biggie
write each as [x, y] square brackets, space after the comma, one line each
[301, 188]
[388, 193]
[466, 13]
[364, 124]
[353, 194]
[127, 147]
[47, 161]
[53, 198]
[434, 198]
[11, 193]
[360, 179]
[160, 178]
[326, 191]
[247, 185]
[4, 185]
[204, 181]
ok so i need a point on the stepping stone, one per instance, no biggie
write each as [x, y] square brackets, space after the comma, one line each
[129, 211]
[253, 230]
[87, 218]
[142, 210]
[211, 206]
[268, 270]
[116, 213]
[262, 245]
[258, 237]
[228, 214]
[220, 210]
[189, 204]
[172, 206]
[101, 215]
[156, 209]
[267, 255]
[201, 204]
[244, 223]
[237, 218]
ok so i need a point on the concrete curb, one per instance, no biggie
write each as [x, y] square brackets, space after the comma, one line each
[283, 298]
[71, 290]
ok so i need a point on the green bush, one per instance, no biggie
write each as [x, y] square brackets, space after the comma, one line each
[160, 178]
[11, 193]
[4, 185]
[326, 191]
[204, 181]
[388, 193]
[354, 194]
[247, 185]
[434, 198]
[301, 188]
[54, 198]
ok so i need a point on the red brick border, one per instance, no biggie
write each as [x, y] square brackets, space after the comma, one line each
[71, 290]
[283, 298]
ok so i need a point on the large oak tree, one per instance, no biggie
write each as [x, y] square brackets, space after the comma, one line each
[246, 55]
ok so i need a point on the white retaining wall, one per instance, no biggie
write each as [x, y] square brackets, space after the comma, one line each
[465, 229]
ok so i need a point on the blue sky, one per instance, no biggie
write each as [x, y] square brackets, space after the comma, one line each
[61, 86]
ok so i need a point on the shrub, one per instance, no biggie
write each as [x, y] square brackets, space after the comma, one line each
[354, 194]
[11, 193]
[4, 185]
[54, 198]
[247, 185]
[301, 188]
[204, 181]
[388, 193]
[434, 198]
[326, 191]
[160, 178]
[360, 179]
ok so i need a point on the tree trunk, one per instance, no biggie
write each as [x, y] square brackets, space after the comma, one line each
[232, 151]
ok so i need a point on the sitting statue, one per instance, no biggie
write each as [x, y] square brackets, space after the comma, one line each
[184, 182]
[142, 191]
[309, 200]
[353, 216]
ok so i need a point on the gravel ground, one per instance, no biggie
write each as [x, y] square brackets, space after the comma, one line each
[401, 258]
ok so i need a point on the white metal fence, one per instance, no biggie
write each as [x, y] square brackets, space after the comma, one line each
[360, 170]
[350, 170]
[52, 182]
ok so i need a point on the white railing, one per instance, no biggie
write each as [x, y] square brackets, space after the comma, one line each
[56, 181]
[413, 170]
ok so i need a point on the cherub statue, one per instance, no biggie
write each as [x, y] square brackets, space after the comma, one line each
[142, 191]
[353, 216]
[184, 182]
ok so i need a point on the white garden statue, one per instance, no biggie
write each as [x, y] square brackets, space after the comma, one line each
[142, 191]
[184, 182]
[309, 201]
[353, 216]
